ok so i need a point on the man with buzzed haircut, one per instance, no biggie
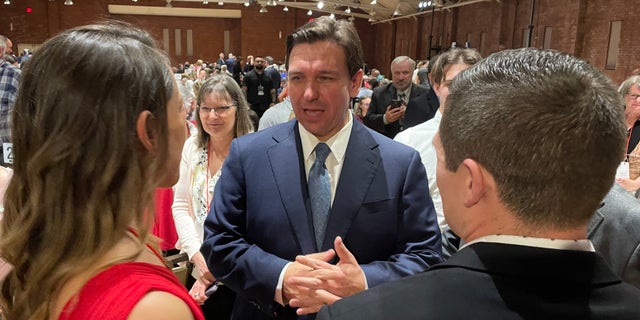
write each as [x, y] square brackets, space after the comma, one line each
[527, 148]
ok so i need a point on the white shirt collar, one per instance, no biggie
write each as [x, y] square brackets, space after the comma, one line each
[337, 143]
[577, 245]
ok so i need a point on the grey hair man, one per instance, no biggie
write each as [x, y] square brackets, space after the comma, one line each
[389, 102]
[527, 149]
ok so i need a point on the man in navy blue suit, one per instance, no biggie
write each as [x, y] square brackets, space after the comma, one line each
[260, 235]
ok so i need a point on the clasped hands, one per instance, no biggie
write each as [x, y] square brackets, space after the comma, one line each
[311, 282]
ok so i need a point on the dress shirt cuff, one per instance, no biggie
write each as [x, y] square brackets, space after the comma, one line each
[366, 284]
[384, 119]
[278, 297]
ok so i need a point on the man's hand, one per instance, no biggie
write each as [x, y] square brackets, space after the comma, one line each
[327, 283]
[394, 114]
[298, 270]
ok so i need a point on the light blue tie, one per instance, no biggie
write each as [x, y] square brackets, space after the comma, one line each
[320, 192]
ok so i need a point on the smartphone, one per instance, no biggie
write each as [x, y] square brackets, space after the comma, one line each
[396, 103]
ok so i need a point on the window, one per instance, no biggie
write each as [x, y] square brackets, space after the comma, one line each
[547, 38]
[614, 44]
[178, 43]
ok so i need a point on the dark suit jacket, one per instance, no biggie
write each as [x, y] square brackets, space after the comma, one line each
[380, 100]
[500, 281]
[615, 233]
[260, 217]
[421, 109]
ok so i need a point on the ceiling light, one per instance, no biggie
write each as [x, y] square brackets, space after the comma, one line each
[347, 10]
[134, 0]
[332, 16]
[396, 12]
[68, 2]
[7, 2]
[285, 9]
[280, 0]
[272, 3]
[246, 4]
[205, 1]
[320, 4]
[220, 3]
[309, 12]
[373, 2]
[263, 9]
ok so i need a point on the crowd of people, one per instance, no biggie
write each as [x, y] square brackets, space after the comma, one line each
[506, 184]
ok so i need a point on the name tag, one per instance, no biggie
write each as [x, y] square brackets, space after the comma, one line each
[7, 152]
[623, 170]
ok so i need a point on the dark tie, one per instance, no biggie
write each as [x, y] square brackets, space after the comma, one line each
[320, 192]
[402, 97]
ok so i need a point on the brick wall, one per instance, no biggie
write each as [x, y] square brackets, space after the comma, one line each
[580, 27]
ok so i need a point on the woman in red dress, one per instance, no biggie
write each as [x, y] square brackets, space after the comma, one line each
[97, 126]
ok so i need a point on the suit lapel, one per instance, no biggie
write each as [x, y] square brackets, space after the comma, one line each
[288, 171]
[358, 170]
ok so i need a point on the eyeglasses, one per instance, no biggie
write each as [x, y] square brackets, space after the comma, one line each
[633, 97]
[221, 110]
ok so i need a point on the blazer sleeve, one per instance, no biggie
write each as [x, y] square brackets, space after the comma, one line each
[374, 117]
[229, 253]
[418, 243]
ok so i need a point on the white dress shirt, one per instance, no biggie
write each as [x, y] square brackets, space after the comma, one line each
[420, 137]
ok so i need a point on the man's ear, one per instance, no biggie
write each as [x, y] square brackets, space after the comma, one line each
[356, 82]
[436, 88]
[475, 184]
[144, 130]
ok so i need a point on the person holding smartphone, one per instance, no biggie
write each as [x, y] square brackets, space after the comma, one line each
[389, 102]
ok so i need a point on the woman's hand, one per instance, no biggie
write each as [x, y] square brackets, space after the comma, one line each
[197, 292]
[204, 275]
[628, 184]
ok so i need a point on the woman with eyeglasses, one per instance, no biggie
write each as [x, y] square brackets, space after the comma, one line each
[630, 91]
[222, 114]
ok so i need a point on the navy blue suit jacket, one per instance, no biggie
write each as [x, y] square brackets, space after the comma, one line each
[260, 218]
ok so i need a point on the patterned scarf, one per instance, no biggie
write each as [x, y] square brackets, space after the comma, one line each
[202, 193]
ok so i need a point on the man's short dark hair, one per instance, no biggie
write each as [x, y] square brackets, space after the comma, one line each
[548, 126]
[449, 57]
[324, 28]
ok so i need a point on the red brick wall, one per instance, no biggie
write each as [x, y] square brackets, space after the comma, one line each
[580, 27]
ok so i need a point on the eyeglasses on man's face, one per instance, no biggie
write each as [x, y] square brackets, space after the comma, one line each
[221, 110]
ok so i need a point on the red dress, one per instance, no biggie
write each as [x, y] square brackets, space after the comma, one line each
[112, 294]
[164, 227]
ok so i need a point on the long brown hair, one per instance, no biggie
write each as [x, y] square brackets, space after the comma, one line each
[81, 176]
